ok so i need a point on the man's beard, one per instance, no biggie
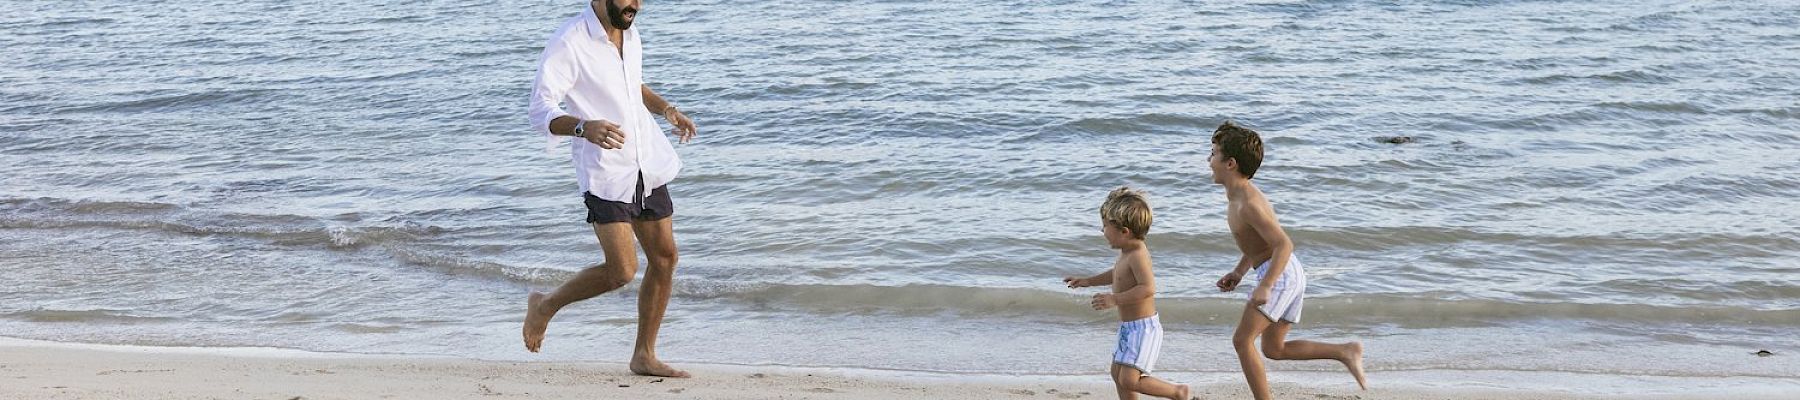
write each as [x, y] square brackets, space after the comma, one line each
[616, 15]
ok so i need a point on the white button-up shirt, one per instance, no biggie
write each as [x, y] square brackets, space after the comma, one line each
[582, 70]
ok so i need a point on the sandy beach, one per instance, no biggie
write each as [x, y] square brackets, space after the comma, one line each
[1498, 199]
[50, 370]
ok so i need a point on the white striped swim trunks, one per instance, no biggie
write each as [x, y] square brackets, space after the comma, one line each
[1288, 294]
[1140, 342]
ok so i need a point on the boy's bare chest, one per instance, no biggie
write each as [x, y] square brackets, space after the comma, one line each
[1243, 233]
[1123, 279]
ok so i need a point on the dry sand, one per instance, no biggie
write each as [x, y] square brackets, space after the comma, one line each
[50, 370]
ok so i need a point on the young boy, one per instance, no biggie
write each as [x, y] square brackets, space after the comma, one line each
[1124, 219]
[1274, 305]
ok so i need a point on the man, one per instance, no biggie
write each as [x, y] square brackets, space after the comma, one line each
[593, 65]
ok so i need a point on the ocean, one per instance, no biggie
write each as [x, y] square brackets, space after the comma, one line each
[1601, 187]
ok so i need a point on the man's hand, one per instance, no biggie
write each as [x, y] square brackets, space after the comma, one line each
[1259, 296]
[1103, 301]
[1074, 282]
[1229, 282]
[684, 127]
[604, 133]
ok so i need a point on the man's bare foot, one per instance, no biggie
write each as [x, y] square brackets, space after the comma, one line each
[1354, 362]
[535, 322]
[1183, 392]
[652, 367]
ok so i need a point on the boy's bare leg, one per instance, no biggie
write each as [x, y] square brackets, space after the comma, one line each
[1131, 380]
[1276, 347]
[1156, 387]
[1125, 380]
[658, 239]
[619, 268]
[1249, 327]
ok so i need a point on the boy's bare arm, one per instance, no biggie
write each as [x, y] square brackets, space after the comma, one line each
[1262, 219]
[1105, 278]
[1244, 264]
[1229, 282]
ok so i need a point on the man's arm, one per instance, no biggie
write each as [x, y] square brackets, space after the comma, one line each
[654, 102]
[684, 127]
[555, 78]
[563, 126]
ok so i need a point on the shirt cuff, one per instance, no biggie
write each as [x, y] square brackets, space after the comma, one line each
[550, 139]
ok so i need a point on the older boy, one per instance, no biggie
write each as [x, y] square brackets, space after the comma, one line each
[1274, 305]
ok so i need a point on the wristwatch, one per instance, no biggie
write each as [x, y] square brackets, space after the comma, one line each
[580, 129]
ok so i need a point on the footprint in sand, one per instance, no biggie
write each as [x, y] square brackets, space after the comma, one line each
[821, 390]
[135, 371]
[1022, 392]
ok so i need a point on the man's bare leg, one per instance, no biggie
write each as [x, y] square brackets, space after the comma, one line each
[1276, 347]
[1249, 327]
[619, 268]
[658, 239]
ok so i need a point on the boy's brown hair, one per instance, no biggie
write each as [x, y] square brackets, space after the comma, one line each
[1241, 144]
[1125, 207]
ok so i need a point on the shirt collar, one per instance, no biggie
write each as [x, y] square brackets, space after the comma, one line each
[596, 30]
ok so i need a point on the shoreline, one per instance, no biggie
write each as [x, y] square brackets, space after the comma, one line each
[60, 370]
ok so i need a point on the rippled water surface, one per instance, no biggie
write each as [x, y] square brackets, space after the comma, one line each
[1595, 187]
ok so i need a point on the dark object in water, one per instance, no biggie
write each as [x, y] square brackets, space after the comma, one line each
[1763, 353]
[1397, 139]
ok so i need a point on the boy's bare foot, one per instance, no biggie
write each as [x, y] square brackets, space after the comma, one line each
[535, 322]
[1183, 392]
[652, 367]
[1354, 362]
